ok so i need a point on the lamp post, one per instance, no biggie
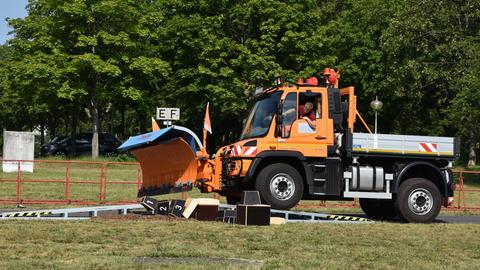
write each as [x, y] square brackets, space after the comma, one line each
[376, 105]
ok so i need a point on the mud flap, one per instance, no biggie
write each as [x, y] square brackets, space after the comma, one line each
[167, 158]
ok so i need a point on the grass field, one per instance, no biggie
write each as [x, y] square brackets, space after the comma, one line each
[159, 244]
[175, 244]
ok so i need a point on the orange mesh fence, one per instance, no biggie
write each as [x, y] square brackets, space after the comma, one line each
[122, 180]
[467, 190]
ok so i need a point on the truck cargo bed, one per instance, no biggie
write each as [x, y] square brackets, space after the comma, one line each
[405, 145]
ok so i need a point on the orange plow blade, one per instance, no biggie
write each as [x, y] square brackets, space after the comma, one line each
[168, 160]
[167, 167]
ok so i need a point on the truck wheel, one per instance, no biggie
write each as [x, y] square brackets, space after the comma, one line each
[418, 201]
[280, 185]
[378, 209]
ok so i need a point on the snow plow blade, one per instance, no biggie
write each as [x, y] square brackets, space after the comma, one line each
[168, 159]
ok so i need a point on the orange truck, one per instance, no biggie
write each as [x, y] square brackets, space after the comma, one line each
[298, 143]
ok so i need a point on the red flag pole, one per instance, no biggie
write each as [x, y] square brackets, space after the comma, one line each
[207, 127]
[204, 150]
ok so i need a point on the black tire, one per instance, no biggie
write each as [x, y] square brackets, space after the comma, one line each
[110, 154]
[378, 209]
[418, 201]
[60, 153]
[232, 200]
[286, 183]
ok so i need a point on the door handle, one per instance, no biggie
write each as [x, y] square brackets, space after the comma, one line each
[320, 137]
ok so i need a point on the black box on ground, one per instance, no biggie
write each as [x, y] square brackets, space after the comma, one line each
[150, 204]
[163, 207]
[177, 207]
[250, 197]
[258, 214]
[206, 212]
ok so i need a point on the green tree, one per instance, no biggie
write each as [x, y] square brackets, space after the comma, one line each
[221, 50]
[118, 60]
[93, 47]
[432, 49]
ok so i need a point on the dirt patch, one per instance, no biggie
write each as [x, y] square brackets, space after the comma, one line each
[140, 216]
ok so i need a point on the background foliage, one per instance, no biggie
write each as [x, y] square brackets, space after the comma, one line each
[75, 66]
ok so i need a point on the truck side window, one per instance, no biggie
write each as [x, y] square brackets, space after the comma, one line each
[309, 110]
[289, 114]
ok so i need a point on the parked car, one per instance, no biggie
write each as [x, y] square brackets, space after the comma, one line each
[107, 145]
[44, 148]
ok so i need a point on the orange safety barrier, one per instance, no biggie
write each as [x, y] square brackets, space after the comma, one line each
[70, 182]
[471, 189]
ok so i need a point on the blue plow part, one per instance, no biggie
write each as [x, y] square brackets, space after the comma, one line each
[156, 137]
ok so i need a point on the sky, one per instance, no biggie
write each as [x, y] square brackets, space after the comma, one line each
[10, 9]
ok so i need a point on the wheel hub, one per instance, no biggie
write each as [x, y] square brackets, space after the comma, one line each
[282, 186]
[420, 201]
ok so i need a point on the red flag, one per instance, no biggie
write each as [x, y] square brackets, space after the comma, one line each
[206, 123]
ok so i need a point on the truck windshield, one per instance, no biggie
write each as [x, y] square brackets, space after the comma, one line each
[260, 117]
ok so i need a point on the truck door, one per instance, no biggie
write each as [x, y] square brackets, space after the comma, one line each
[299, 134]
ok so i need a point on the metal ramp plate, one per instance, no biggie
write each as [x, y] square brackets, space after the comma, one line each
[71, 213]
[88, 212]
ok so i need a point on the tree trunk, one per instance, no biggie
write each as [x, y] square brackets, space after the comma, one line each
[42, 134]
[92, 89]
[100, 120]
[67, 120]
[472, 156]
[52, 128]
[95, 126]
[73, 132]
[122, 122]
[110, 116]
[141, 121]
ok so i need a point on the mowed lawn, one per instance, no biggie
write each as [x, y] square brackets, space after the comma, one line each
[178, 244]
[163, 244]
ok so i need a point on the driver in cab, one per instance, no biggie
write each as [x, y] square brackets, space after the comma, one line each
[306, 112]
